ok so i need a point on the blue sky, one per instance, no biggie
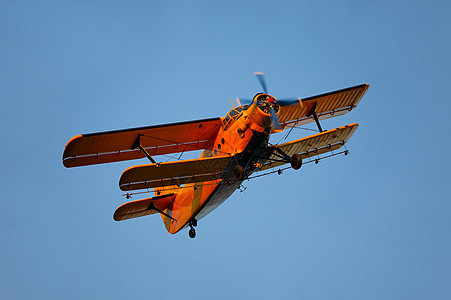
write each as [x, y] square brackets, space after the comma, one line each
[372, 225]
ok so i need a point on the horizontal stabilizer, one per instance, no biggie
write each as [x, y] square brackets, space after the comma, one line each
[313, 145]
[120, 145]
[144, 207]
[173, 173]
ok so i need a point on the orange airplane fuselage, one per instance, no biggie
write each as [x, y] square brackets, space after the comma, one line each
[244, 135]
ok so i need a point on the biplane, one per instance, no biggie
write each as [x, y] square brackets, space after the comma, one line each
[232, 149]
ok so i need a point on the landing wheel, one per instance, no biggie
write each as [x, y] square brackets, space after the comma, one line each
[238, 173]
[296, 161]
[192, 233]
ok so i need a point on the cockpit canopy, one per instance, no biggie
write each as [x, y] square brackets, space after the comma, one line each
[233, 115]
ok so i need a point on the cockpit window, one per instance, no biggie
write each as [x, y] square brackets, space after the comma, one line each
[233, 115]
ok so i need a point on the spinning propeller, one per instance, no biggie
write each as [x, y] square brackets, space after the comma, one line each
[261, 79]
[267, 103]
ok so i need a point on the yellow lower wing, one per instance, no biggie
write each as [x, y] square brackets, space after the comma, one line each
[172, 173]
[313, 145]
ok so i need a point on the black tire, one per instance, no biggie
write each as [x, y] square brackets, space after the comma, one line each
[238, 173]
[296, 161]
[192, 233]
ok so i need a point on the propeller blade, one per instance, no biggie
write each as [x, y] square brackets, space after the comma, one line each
[241, 101]
[261, 79]
[275, 120]
[288, 101]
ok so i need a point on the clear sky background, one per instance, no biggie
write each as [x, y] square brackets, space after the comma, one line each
[372, 225]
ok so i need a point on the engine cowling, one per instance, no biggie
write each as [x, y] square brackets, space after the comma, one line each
[262, 114]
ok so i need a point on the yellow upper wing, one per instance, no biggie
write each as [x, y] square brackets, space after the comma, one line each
[172, 173]
[111, 146]
[325, 106]
[315, 144]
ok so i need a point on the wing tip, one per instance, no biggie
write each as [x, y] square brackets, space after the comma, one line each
[67, 155]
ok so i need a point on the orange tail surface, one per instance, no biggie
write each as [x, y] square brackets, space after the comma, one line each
[144, 207]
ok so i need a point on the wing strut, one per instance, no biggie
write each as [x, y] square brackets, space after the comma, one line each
[315, 117]
[282, 154]
[137, 144]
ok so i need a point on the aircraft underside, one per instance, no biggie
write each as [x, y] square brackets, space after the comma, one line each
[234, 147]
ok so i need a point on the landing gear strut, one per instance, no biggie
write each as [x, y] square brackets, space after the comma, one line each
[295, 160]
[192, 231]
